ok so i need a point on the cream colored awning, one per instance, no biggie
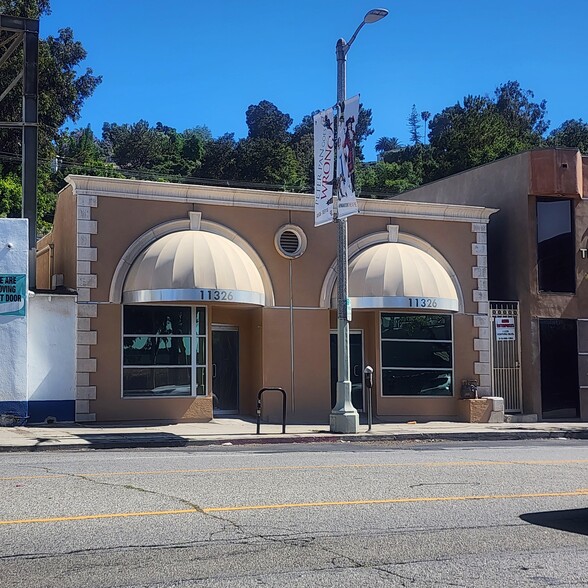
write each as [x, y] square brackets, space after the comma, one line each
[396, 275]
[194, 266]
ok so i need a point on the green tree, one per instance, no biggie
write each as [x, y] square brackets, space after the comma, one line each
[305, 128]
[80, 152]
[266, 121]
[10, 195]
[381, 179]
[79, 146]
[25, 8]
[414, 126]
[572, 133]
[136, 146]
[194, 143]
[363, 129]
[220, 159]
[304, 154]
[302, 143]
[62, 90]
[484, 129]
[425, 116]
[46, 199]
[270, 162]
[384, 144]
[515, 105]
[171, 161]
[11, 198]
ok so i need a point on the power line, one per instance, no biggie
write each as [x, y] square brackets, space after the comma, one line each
[142, 174]
[129, 173]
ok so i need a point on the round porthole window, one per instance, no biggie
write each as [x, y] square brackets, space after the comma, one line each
[290, 241]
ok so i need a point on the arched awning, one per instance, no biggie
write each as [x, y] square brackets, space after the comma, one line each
[397, 275]
[194, 266]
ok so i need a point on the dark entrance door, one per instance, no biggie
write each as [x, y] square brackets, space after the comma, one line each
[356, 369]
[560, 395]
[225, 370]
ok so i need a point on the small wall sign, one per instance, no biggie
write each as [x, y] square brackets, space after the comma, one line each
[13, 294]
[505, 328]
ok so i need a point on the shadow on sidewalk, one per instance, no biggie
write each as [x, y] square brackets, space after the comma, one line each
[132, 440]
[117, 441]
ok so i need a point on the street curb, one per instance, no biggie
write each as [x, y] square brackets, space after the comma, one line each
[125, 443]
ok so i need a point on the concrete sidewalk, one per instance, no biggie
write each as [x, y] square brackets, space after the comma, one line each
[239, 431]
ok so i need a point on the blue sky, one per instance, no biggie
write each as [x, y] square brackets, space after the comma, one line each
[197, 62]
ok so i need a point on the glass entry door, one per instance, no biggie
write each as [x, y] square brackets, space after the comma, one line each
[355, 368]
[225, 370]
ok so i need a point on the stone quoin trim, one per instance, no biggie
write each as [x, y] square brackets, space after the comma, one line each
[481, 320]
[86, 311]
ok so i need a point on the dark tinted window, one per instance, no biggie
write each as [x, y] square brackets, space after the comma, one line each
[416, 326]
[555, 246]
[163, 351]
[157, 320]
[417, 355]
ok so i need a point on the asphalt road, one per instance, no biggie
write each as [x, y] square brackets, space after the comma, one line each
[419, 515]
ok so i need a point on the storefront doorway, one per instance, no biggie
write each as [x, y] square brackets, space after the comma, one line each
[225, 369]
[560, 394]
[356, 368]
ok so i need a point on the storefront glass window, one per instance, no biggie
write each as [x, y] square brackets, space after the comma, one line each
[417, 355]
[555, 246]
[164, 351]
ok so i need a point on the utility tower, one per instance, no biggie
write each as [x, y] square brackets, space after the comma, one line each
[19, 40]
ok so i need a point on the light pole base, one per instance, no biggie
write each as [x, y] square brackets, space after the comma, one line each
[344, 422]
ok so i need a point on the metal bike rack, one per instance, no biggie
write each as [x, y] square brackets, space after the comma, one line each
[259, 395]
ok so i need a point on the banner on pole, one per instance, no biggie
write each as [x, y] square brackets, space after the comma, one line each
[346, 125]
[324, 149]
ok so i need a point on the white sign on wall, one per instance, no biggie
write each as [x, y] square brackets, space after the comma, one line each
[14, 261]
[13, 294]
[505, 328]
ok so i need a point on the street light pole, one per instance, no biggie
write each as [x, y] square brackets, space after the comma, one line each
[344, 417]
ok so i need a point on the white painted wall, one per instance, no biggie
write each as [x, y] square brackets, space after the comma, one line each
[14, 250]
[52, 347]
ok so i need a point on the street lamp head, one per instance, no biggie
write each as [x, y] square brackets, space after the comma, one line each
[375, 15]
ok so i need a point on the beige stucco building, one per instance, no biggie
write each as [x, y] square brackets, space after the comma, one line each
[192, 298]
[538, 259]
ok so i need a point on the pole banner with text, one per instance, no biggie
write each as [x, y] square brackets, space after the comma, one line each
[324, 148]
[346, 125]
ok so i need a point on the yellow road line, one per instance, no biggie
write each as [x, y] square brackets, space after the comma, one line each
[114, 515]
[433, 464]
[215, 509]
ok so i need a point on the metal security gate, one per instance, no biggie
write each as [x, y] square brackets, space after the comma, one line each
[505, 354]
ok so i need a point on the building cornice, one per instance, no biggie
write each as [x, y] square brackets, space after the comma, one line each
[245, 197]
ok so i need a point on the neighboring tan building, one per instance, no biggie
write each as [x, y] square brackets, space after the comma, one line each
[537, 257]
[192, 298]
